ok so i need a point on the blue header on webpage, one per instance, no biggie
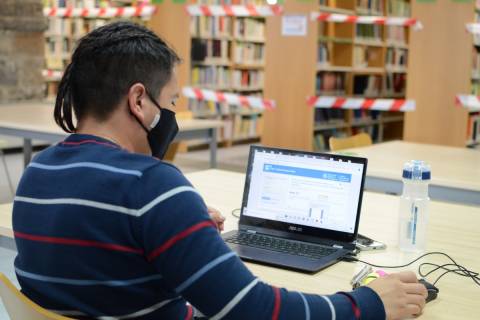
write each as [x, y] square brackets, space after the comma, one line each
[309, 173]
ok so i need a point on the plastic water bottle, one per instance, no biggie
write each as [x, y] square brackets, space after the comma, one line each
[414, 203]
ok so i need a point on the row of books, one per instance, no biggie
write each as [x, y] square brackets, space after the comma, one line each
[395, 84]
[208, 109]
[473, 128]
[372, 7]
[248, 80]
[221, 78]
[330, 84]
[211, 77]
[369, 32]
[239, 122]
[367, 86]
[364, 57]
[373, 86]
[250, 29]
[204, 26]
[398, 8]
[247, 127]
[396, 58]
[323, 55]
[396, 34]
[249, 53]
[229, 2]
[213, 50]
[72, 28]
[475, 63]
[76, 3]
[475, 88]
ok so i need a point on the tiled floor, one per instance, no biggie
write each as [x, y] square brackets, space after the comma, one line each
[234, 159]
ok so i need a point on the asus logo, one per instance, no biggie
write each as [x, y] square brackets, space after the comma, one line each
[293, 228]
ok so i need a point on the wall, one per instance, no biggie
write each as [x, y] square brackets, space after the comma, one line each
[21, 50]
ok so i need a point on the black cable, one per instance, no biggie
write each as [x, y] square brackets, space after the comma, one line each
[460, 270]
[234, 211]
[400, 266]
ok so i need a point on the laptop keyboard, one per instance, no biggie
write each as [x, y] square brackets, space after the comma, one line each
[280, 245]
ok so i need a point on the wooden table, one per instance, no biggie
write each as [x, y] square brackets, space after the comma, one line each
[458, 236]
[455, 171]
[35, 121]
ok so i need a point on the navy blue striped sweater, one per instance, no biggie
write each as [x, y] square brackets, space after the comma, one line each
[107, 234]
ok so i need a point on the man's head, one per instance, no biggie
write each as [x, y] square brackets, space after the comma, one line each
[117, 71]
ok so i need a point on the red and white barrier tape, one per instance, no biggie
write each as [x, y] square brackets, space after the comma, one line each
[123, 12]
[389, 21]
[52, 74]
[473, 28]
[361, 103]
[234, 10]
[229, 98]
[468, 101]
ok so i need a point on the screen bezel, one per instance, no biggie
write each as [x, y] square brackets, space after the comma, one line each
[291, 228]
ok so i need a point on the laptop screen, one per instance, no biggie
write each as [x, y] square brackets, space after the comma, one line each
[302, 192]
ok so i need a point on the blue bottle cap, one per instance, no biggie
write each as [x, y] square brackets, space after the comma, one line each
[416, 170]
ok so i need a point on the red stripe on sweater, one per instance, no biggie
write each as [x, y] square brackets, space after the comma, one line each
[189, 313]
[179, 236]
[76, 143]
[77, 242]
[276, 308]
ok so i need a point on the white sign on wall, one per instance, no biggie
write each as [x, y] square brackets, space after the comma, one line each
[294, 25]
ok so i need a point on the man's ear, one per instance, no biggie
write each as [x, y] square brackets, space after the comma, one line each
[136, 100]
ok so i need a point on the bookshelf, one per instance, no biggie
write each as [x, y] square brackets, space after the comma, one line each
[337, 59]
[440, 69]
[228, 55]
[64, 30]
[473, 122]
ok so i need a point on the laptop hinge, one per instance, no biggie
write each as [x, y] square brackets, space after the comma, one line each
[251, 231]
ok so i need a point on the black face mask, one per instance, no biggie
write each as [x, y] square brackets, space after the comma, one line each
[162, 131]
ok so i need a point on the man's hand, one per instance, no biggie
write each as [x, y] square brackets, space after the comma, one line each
[217, 217]
[402, 296]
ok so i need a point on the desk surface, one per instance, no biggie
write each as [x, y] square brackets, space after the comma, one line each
[451, 167]
[38, 117]
[458, 236]
[6, 220]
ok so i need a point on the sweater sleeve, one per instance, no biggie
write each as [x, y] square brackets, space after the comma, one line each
[184, 246]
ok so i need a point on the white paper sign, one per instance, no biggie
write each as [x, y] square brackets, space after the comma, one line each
[294, 25]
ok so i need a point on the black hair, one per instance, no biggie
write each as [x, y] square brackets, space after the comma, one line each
[105, 64]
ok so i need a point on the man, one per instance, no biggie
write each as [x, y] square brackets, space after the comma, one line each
[104, 229]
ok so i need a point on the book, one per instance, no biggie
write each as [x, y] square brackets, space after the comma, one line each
[249, 53]
[360, 57]
[211, 27]
[370, 32]
[323, 56]
[369, 86]
[398, 8]
[248, 79]
[370, 7]
[211, 77]
[250, 29]
[396, 58]
[330, 84]
[396, 35]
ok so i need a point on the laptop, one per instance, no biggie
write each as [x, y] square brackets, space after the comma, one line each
[300, 210]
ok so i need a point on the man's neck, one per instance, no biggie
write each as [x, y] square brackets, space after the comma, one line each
[115, 131]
